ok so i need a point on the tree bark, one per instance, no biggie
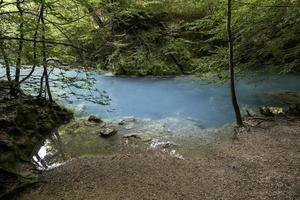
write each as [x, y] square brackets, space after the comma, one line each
[41, 85]
[20, 49]
[34, 47]
[7, 64]
[44, 50]
[231, 68]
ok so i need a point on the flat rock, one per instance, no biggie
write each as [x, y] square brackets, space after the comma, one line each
[107, 132]
[127, 120]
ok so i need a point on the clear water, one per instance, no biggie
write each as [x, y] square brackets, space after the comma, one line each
[185, 111]
[183, 97]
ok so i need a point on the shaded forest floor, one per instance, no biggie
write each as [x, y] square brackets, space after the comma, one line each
[262, 164]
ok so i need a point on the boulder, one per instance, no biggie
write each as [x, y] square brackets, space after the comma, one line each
[107, 132]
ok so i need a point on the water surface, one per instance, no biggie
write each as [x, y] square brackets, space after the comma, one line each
[184, 97]
[181, 113]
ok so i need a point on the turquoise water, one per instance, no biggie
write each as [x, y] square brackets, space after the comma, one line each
[182, 112]
[183, 97]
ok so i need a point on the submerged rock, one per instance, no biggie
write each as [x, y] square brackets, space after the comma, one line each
[128, 123]
[107, 132]
[127, 120]
[95, 119]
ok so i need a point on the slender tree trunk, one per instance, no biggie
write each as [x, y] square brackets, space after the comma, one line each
[231, 67]
[41, 85]
[34, 47]
[6, 61]
[7, 64]
[44, 50]
[20, 49]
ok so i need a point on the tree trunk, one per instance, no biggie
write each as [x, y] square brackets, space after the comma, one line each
[231, 68]
[44, 50]
[41, 85]
[20, 49]
[34, 47]
[6, 61]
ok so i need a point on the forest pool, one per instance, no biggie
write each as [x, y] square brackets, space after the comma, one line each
[179, 115]
[181, 97]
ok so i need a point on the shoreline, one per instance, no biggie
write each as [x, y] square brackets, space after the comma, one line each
[262, 164]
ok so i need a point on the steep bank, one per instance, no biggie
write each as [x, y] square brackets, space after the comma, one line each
[262, 164]
[24, 122]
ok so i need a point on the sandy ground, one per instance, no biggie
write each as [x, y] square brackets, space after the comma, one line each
[264, 163]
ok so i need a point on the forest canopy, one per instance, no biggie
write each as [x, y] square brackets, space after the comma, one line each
[135, 37]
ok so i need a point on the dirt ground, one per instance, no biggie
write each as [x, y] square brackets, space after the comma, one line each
[264, 163]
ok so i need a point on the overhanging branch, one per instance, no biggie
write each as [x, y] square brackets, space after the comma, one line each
[47, 41]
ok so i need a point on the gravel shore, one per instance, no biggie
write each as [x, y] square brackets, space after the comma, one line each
[263, 163]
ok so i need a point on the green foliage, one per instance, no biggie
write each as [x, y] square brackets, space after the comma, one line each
[139, 37]
[268, 35]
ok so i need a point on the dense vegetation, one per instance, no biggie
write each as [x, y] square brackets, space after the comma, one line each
[167, 37]
[150, 37]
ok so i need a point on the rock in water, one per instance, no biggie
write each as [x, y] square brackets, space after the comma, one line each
[95, 119]
[127, 120]
[107, 132]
